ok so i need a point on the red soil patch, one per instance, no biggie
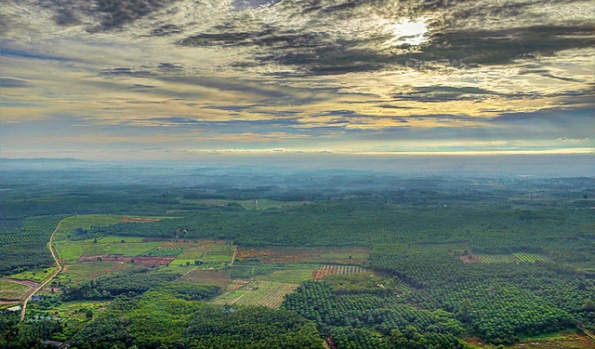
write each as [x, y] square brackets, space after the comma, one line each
[470, 258]
[319, 274]
[144, 261]
[325, 270]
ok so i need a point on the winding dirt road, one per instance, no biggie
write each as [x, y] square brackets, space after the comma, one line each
[52, 276]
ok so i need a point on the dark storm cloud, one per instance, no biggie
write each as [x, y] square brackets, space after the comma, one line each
[442, 94]
[108, 14]
[115, 13]
[170, 67]
[502, 46]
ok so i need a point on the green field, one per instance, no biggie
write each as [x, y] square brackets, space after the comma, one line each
[114, 239]
[38, 275]
[80, 272]
[289, 276]
[118, 248]
[12, 290]
[71, 251]
[69, 224]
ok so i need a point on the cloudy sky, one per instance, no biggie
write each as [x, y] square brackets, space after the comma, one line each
[168, 79]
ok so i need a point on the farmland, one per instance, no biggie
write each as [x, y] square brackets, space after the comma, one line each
[367, 268]
[519, 257]
[10, 291]
[264, 293]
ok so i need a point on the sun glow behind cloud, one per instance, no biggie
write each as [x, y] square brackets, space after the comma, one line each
[410, 32]
[337, 76]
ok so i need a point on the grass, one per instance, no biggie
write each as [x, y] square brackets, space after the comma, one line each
[71, 250]
[566, 339]
[69, 224]
[127, 249]
[207, 277]
[12, 291]
[215, 254]
[333, 256]
[178, 261]
[90, 270]
[113, 239]
[289, 276]
[34, 275]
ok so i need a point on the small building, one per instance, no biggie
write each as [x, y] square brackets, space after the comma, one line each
[15, 308]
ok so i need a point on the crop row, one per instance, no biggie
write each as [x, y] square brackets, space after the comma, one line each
[30, 229]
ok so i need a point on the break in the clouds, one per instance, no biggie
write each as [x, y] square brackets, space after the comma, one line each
[165, 77]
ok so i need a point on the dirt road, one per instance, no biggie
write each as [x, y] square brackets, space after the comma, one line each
[49, 279]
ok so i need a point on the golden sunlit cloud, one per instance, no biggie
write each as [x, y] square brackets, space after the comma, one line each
[464, 77]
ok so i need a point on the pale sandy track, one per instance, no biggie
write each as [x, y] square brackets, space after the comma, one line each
[48, 280]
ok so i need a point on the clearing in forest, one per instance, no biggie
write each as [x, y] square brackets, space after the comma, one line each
[513, 258]
[207, 254]
[265, 293]
[305, 255]
[207, 277]
[11, 291]
[324, 270]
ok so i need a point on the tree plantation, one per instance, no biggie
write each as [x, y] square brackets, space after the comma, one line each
[336, 261]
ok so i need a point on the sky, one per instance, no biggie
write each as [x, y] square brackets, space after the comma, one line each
[180, 79]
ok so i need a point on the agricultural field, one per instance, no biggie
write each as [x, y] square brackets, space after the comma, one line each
[326, 269]
[207, 254]
[289, 276]
[265, 293]
[369, 269]
[37, 275]
[207, 277]
[518, 257]
[83, 222]
[305, 255]
[530, 257]
[30, 229]
[82, 272]
[11, 291]
[497, 258]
